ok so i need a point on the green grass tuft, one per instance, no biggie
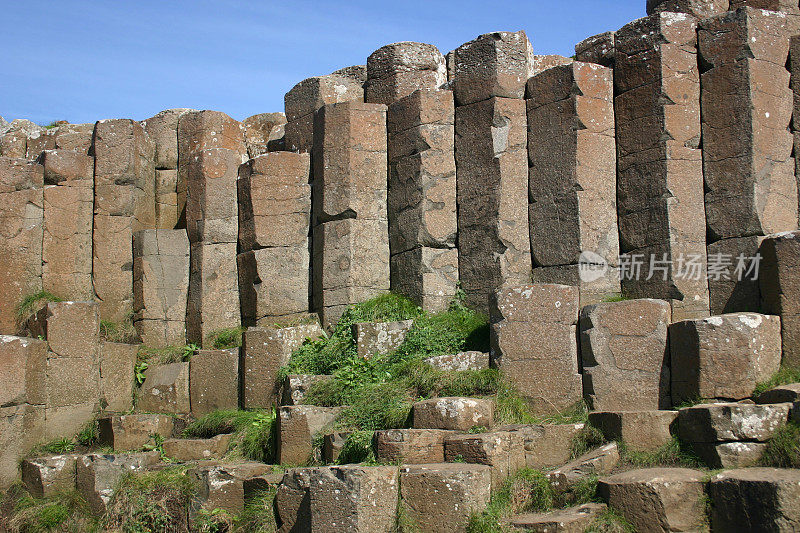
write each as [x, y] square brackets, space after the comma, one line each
[586, 440]
[610, 521]
[672, 454]
[784, 376]
[357, 449]
[526, 491]
[254, 432]
[122, 332]
[224, 339]
[32, 302]
[783, 449]
[258, 515]
[54, 447]
[67, 512]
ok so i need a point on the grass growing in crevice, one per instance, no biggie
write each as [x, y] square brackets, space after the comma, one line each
[224, 339]
[56, 447]
[258, 515]
[152, 501]
[672, 454]
[586, 440]
[784, 376]
[610, 521]
[122, 332]
[64, 512]
[783, 449]
[167, 355]
[213, 521]
[357, 448]
[254, 432]
[31, 303]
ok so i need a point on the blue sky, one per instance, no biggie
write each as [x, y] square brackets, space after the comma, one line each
[84, 61]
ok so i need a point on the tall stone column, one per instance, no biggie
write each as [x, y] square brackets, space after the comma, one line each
[659, 163]
[396, 70]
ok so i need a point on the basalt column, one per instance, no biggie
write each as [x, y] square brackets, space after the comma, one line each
[751, 190]
[491, 163]
[573, 179]
[659, 163]
[422, 198]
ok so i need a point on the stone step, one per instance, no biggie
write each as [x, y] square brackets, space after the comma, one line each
[639, 430]
[575, 519]
[594, 463]
[185, 450]
[459, 414]
[546, 446]
[411, 446]
[503, 451]
[131, 432]
[225, 485]
[781, 394]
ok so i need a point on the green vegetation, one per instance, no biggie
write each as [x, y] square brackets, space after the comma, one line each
[55, 446]
[224, 339]
[152, 501]
[123, 332]
[65, 512]
[616, 298]
[357, 448]
[258, 515]
[610, 521]
[254, 432]
[784, 376]
[672, 454]
[783, 449]
[213, 521]
[54, 124]
[89, 434]
[586, 440]
[32, 303]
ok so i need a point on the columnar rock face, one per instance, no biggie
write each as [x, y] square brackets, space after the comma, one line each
[22, 429]
[597, 49]
[534, 343]
[264, 352]
[274, 220]
[397, 70]
[410, 446]
[260, 130]
[422, 198]
[167, 215]
[49, 476]
[163, 131]
[297, 427]
[124, 202]
[98, 475]
[225, 486]
[502, 450]
[544, 62]
[160, 285]
[698, 8]
[14, 141]
[780, 289]
[307, 97]
[639, 430]
[733, 275]
[723, 356]
[214, 381]
[659, 163]
[572, 178]
[21, 232]
[546, 446]
[461, 414]
[213, 300]
[338, 498]
[492, 174]
[440, 497]
[493, 65]
[350, 227]
[22, 370]
[165, 390]
[625, 356]
[658, 499]
[131, 432]
[755, 498]
[744, 54]
[67, 217]
[117, 362]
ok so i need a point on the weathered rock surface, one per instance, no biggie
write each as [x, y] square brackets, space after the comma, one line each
[594, 463]
[657, 499]
[131, 432]
[224, 486]
[502, 450]
[214, 381]
[297, 426]
[639, 430]
[598, 49]
[380, 338]
[460, 361]
[723, 356]
[781, 394]
[23, 367]
[625, 355]
[544, 317]
[396, 70]
[546, 446]
[698, 8]
[48, 476]
[780, 288]
[296, 386]
[117, 374]
[98, 475]
[755, 498]
[571, 520]
[185, 450]
[461, 414]
[165, 389]
[260, 129]
[410, 446]
[163, 131]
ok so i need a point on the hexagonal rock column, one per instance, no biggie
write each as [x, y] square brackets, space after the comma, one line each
[753, 499]
[117, 375]
[21, 428]
[439, 498]
[98, 475]
[49, 476]
[311, 94]
[21, 232]
[131, 432]
[260, 130]
[534, 343]
[659, 165]
[744, 54]
[68, 211]
[410, 446]
[214, 381]
[657, 499]
[380, 338]
[23, 364]
[504, 451]
[274, 221]
[297, 427]
[787, 7]
[460, 414]
[639, 430]
[165, 389]
[397, 70]
[160, 286]
[546, 446]
[226, 486]
[492, 176]
[573, 195]
[596, 462]
[350, 228]
[264, 352]
[124, 202]
[698, 8]
[625, 356]
[731, 435]
[780, 289]
[296, 386]
[723, 356]
[338, 498]
[598, 49]
[422, 198]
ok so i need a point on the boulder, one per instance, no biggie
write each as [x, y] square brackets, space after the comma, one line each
[441, 497]
[755, 499]
[461, 414]
[641, 431]
[502, 450]
[165, 389]
[131, 432]
[185, 450]
[379, 338]
[658, 499]
[410, 446]
[723, 356]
